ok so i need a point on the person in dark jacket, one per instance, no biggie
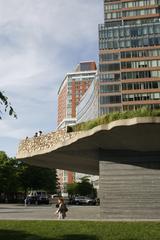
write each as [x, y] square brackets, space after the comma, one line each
[62, 209]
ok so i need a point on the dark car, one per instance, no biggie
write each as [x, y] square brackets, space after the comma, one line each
[31, 200]
[83, 200]
[37, 197]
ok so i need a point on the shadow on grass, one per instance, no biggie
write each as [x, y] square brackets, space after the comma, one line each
[20, 235]
[79, 237]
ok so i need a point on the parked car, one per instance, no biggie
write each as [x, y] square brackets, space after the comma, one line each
[37, 197]
[80, 200]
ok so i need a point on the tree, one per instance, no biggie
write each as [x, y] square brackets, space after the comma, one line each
[18, 177]
[72, 189]
[32, 177]
[8, 176]
[7, 105]
[84, 188]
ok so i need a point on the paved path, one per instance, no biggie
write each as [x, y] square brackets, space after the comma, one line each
[20, 212]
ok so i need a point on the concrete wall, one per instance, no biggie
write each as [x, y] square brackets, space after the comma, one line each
[130, 191]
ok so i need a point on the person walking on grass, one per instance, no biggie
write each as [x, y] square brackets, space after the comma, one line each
[62, 209]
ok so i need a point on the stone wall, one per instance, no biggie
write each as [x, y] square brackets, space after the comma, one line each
[44, 142]
[129, 191]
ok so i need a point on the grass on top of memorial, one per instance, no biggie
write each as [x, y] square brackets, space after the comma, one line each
[110, 117]
[78, 230]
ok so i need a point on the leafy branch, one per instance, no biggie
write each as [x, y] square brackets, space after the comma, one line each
[7, 106]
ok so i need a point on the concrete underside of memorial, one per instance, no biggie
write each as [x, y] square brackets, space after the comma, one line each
[125, 154]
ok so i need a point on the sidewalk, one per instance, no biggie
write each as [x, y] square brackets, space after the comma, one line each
[46, 212]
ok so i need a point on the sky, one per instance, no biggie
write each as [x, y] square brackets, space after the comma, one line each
[41, 41]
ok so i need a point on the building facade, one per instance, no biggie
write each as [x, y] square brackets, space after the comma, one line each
[88, 108]
[129, 55]
[70, 93]
[129, 65]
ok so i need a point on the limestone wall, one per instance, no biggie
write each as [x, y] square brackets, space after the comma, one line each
[44, 142]
[129, 191]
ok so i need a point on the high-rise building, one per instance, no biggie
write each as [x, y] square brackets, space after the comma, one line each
[129, 55]
[70, 93]
[88, 108]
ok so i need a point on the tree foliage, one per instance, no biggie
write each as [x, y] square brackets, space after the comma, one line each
[37, 178]
[8, 174]
[7, 105]
[72, 188]
[84, 188]
[16, 176]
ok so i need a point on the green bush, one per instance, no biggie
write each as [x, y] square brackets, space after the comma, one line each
[142, 112]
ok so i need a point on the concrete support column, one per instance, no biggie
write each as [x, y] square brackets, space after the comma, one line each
[129, 190]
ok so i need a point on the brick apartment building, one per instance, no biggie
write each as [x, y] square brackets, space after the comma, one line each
[73, 87]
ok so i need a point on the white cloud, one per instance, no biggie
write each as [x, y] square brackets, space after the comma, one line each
[10, 130]
[40, 41]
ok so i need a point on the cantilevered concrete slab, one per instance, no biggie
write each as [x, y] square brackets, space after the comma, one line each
[126, 155]
[81, 151]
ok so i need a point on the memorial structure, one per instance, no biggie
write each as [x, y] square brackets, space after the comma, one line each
[125, 154]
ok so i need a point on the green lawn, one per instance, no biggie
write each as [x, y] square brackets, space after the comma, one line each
[78, 230]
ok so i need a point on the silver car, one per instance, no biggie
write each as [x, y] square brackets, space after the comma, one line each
[80, 200]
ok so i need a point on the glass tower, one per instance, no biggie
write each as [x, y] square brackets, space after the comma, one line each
[129, 55]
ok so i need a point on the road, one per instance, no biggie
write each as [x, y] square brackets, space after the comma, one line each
[46, 212]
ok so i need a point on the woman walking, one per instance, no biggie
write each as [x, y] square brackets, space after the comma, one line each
[62, 209]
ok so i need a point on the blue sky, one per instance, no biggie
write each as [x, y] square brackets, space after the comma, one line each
[40, 41]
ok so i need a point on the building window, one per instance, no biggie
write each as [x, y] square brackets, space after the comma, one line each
[110, 99]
